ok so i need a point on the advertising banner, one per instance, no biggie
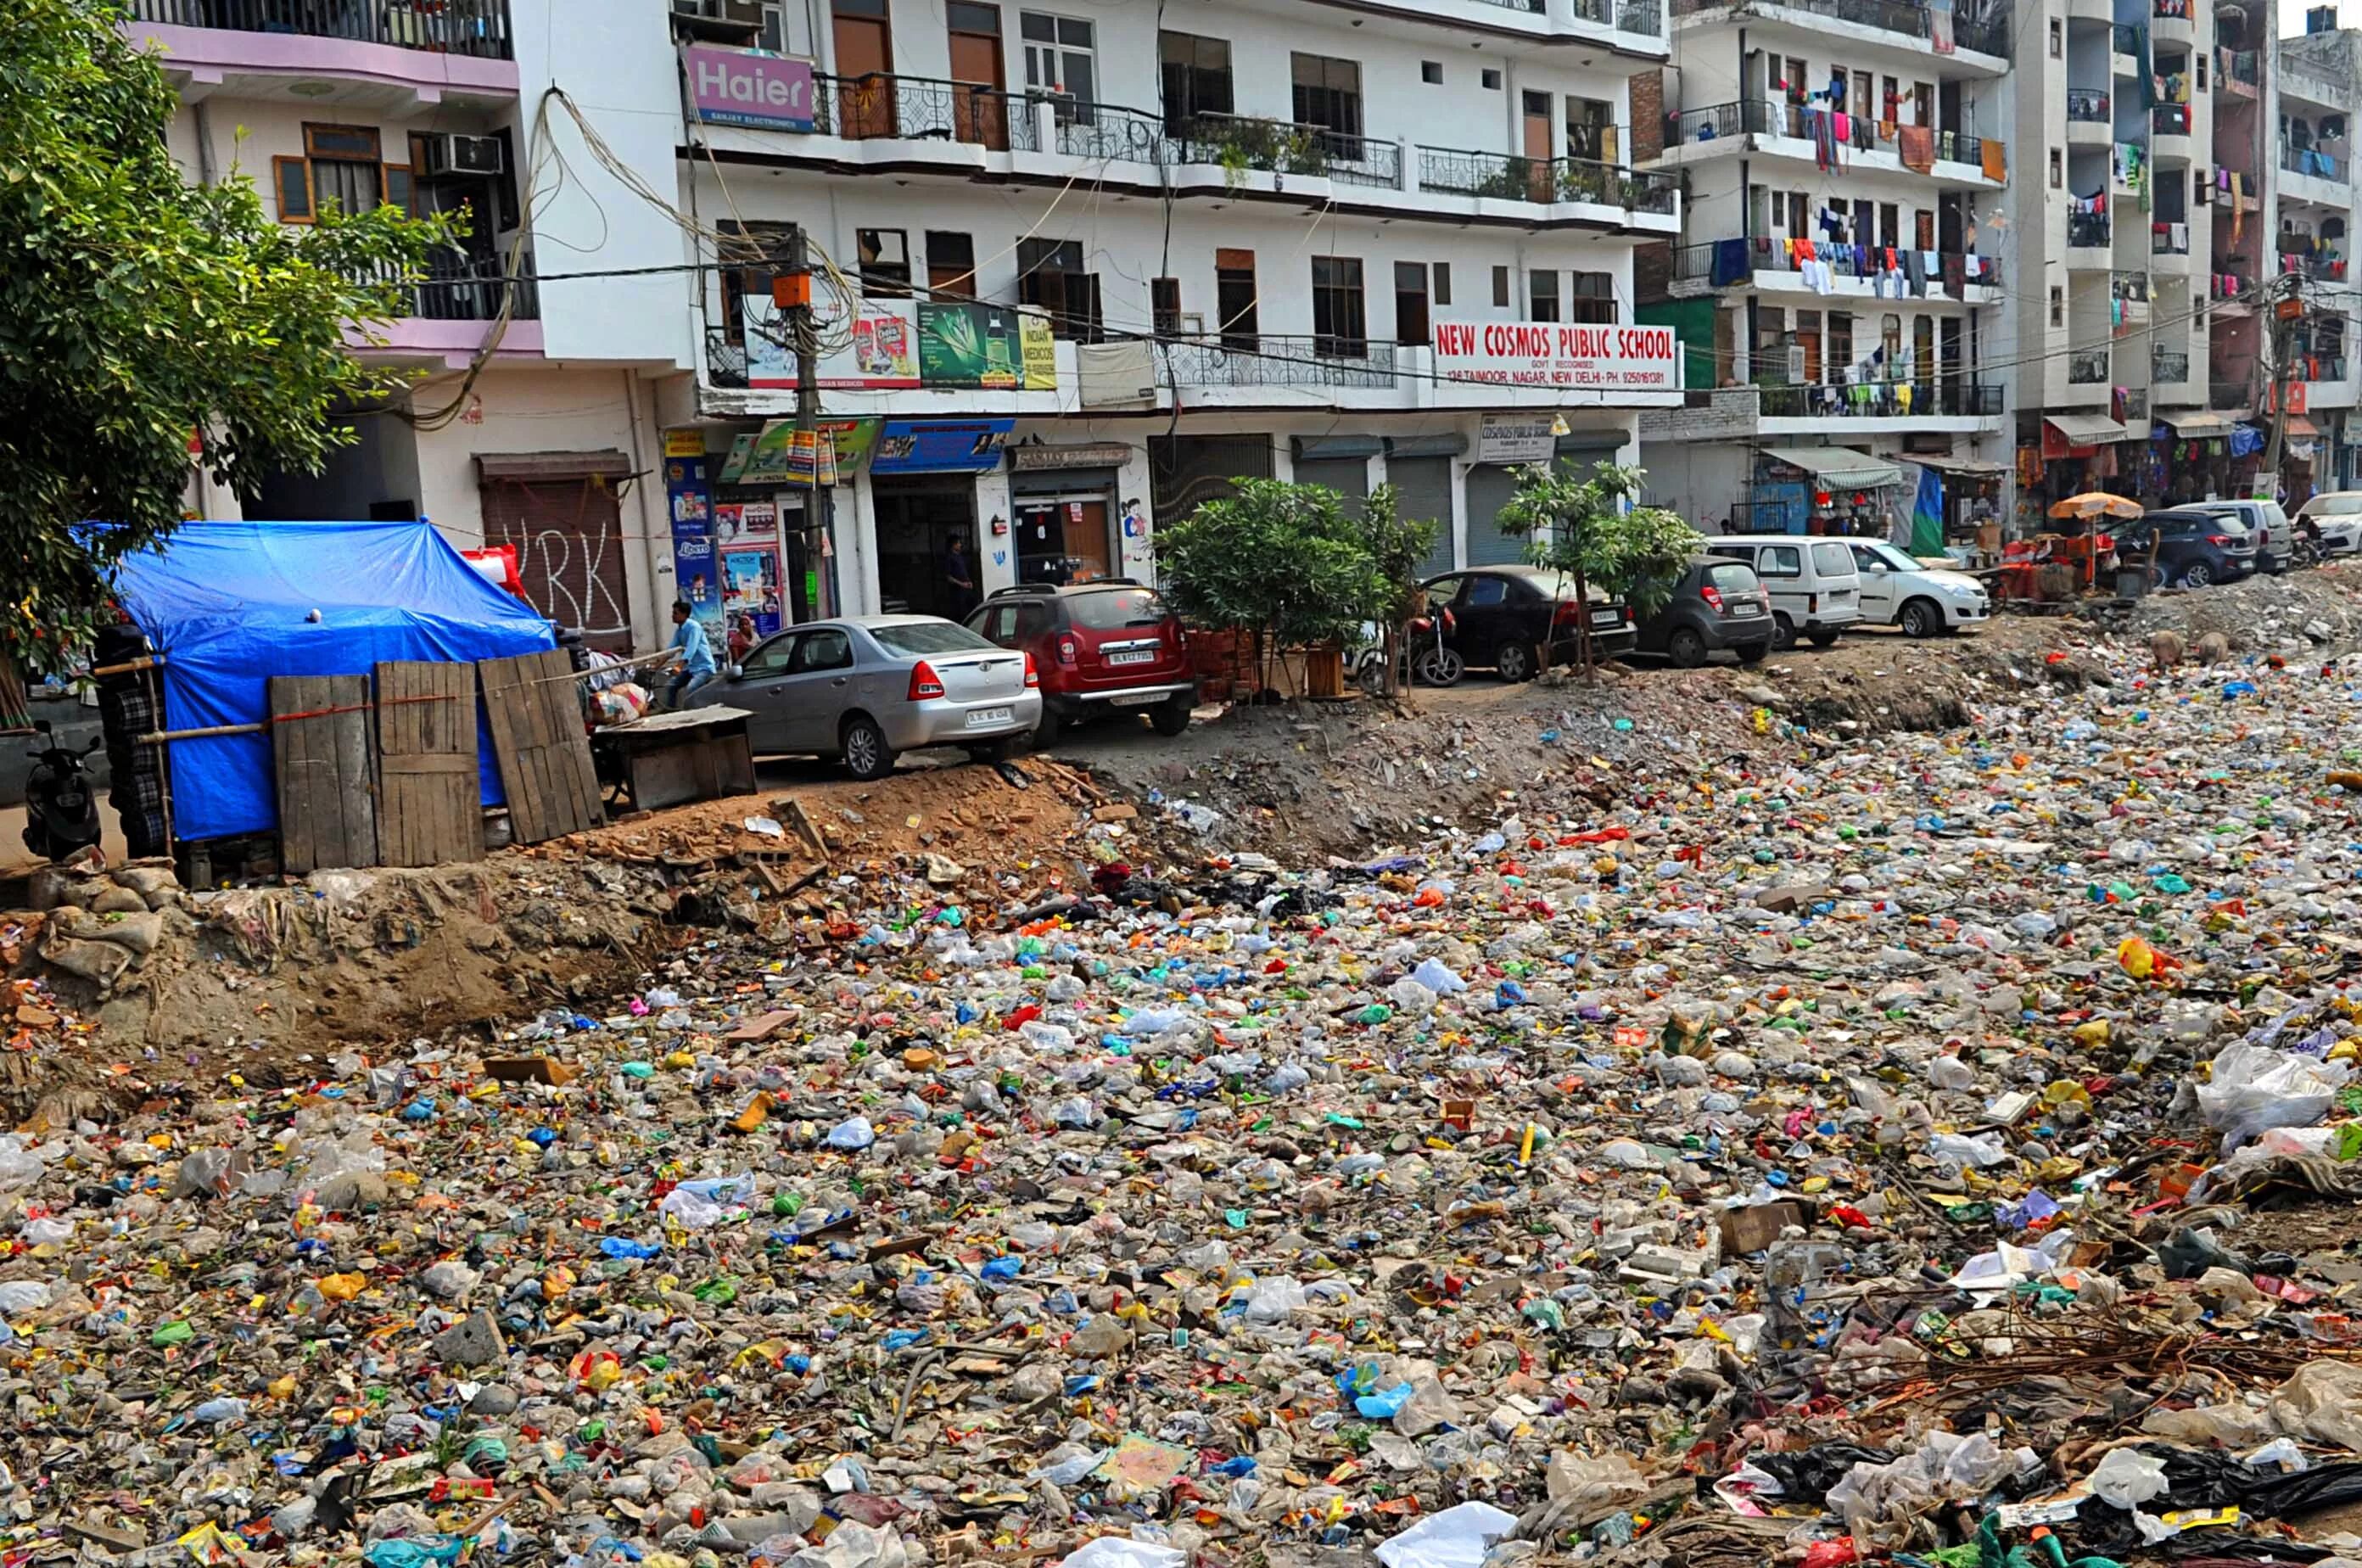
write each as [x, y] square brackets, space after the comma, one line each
[887, 345]
[1556, 354]
[732, 87]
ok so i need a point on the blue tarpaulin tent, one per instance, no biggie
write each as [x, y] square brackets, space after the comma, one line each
[231, 604]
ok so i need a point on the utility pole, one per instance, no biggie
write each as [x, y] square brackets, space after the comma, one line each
[792, 292]
[2286, 309]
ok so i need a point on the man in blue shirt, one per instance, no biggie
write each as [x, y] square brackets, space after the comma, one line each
[694, 666]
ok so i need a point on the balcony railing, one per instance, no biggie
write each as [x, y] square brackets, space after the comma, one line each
[2168, 367]
[2308, 160]
[478, 28]
[2087, 231]
[2087, 367]
[457, 287]
[1941, 398]
[1509, 177]
[1645, 17]
[1532, 7]
[1284, 148]
[2087, 104]
[921, 108]
[2169, 119]
[1983, 34]
[2132, 405]
[1742, 259]
[1273, 361]
[2163, 240]
[2230, 395]
[2226, 286]
[2304, 366]
[726, 362]
[1757, 116]
[2238, 65]
[2172, 10]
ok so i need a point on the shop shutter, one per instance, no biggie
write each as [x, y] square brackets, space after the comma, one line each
[1349, 477]
[1423, 489]
[568, 534]
[1489, 488]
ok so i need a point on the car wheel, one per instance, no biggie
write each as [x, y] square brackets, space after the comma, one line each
[1514, 662]
[1754, 653]
[1685, 646]
[1440, 667]
[2197, 574]
[1824, 639]
[1920, 618]
[1783, 632]
[1172, 717]
[863, 747]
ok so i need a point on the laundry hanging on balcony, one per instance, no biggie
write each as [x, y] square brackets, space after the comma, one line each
[1940, 25]
[1917, 146]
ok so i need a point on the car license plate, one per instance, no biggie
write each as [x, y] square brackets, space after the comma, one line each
[1136, 699]
[1133, 655]
[1605, 618]
[980, 717]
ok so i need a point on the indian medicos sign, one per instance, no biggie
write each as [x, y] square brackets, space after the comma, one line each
[1556, 354]
[731, 87]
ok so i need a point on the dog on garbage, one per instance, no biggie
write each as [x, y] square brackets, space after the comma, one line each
[2167, 649]
[2213, 648]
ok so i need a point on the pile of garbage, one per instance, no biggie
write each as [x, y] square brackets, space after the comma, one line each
[1939, 1151]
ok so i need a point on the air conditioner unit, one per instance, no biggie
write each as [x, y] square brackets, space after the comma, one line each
[450, 154]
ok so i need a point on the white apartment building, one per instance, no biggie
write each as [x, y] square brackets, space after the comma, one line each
[1841, 264]
[1098, 259]
[534, 418]
[2315, 88]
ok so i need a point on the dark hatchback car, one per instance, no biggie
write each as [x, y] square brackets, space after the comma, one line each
[1718, 606]
[2191, 548]
[1504, 617]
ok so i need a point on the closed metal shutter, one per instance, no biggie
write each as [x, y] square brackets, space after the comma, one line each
[568, 534]
[1423, 489]
[1489, 488]
[1349, 477]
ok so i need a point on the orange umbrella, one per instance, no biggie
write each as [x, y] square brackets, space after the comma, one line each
[2096, 503]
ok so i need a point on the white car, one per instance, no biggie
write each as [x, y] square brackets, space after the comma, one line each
[2338, 515]
[1924, 600]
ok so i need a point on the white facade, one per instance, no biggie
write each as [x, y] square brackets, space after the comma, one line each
[2312, 246]
[1843, 255]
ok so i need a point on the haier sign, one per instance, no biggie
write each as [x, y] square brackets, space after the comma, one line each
[731, 87]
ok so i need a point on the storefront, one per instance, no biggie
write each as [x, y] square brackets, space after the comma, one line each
[924, 497]
[2195, 450]
[1066, 510]
[1972, 503]
[1825, 489]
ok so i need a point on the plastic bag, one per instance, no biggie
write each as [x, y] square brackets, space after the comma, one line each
[1456, 1537]
[2126, 1477]
[2255, 1090]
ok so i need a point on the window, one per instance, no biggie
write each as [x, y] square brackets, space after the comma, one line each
[2201, 74]
[767, 658]
[2058, 305]
[1050, 279]
[1791, 81]
[1197, 77]
[1780, 560]
[343, 164]
[1889, 342]
[1410, 302]
[1889, 98]
[1431, 72]
[1840, 344]
[2058, 38]
[826, 649]
[885, 258]
[1923, 103]
[1339, 325]
[1443, 283]
[1500, 288]
[1165, 306]
[1487, 591]
[951, 265]
[1491, 78]
[1060, 56]
[1594, 300]
[1542, 296]
[1234, 297]
[1328, 93]
[2058, 170]
[1890, 224]
[1831, 559]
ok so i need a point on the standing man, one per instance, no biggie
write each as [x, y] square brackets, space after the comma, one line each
[959, 572]
[693, 664]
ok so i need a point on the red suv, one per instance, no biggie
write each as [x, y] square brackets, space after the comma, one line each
[1101, 647]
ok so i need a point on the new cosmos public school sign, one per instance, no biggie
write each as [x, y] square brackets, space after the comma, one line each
[1555, 354]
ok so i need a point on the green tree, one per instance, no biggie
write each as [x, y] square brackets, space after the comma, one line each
[1282, 562]
[1400, 547]
[1587, 528]
[139, 312]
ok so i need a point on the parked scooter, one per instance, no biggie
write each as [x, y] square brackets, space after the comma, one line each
[1432, 660]
[2305, 547]
[60, 812]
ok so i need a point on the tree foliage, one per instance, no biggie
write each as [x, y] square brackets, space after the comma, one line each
[1584, 527]
[1400, 546]
[1285, 562]
[139, 311]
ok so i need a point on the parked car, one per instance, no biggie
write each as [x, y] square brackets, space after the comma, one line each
[2191, 548]
[1102, 647]
[2337, 515]
[2267, 525]
[1816, 589]
[1897, 590]
[1718, 606]
[863, 690]
[1505, 618]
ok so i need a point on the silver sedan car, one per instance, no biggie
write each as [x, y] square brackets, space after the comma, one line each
[864, 689]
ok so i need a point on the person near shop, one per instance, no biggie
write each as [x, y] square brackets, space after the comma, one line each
[959, 576]
[693, 665]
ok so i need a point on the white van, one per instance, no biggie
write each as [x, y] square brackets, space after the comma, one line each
[1816, 589]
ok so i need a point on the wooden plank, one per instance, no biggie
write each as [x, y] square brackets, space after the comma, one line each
[533, 708]
[328, 808]
[427, 734]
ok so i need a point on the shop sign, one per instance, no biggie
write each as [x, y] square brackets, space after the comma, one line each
[764, 91]
[742, 522]
[949, 446]
[777, 456]
[895, 345]
[1086, 455]
[688, 443]
[1516, 439]
[1556, 354]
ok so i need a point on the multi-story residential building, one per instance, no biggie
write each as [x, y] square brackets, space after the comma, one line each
[1090, 262]
[2314, 84]
[2216, 457]
[1841, 265]
[2115, 97]
[531, 414]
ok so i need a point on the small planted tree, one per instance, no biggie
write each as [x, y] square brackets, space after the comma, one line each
[1400, 546]
[1587, 528]
[1284, 563]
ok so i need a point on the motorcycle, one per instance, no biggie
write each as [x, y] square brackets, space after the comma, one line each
[2305, 547]
[60, 812]
[1429, 660]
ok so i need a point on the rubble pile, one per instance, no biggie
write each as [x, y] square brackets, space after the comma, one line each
[1938, 1150]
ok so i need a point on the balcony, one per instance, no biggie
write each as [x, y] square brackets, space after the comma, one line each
[918, 108]
[2168, 250]
[1935, 406]
[2088, 123]
[476, 28]
[2087, 238]
[1505, 177]
[1764, 264]
[2168, 133]
[2234, 394]
[2087, 367]
[2124, 44]
[2304, 366]
[1270, 360]
[1896, 16]
[436, 50]
[2171, 22]
[2311, 175]
[1759, 125]
[2169, 366]
[445, 314]
[2237, 72]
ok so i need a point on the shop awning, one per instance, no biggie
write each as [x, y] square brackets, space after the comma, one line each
[2297, 427]
[1843, 470]
[2085, 429]
[2199, 426]
[1966, 468]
